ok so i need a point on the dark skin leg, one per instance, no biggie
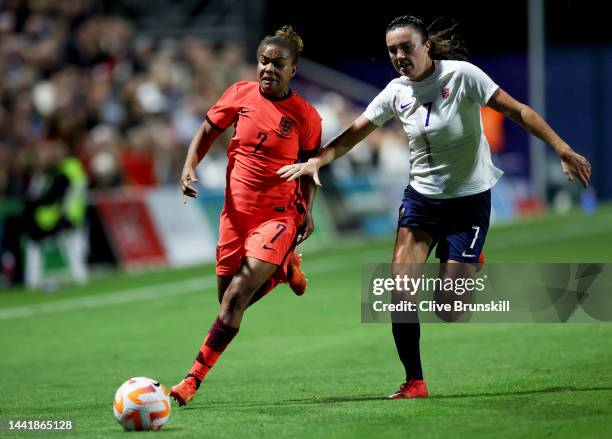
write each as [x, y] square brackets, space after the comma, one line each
[237, 294]
[224, 281]
[222, 284]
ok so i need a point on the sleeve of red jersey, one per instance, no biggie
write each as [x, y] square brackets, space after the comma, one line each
[222, 114]
[310, 133]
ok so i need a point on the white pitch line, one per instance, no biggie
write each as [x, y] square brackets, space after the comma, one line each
[124, 296]
[527, 238]
[143, 293]
[318, 266]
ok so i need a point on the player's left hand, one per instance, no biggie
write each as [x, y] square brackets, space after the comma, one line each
[575, 165]
[306, 228]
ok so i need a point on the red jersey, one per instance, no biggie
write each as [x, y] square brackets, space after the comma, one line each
[269, 134]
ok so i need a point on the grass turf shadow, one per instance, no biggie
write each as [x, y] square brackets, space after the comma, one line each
[359, 398]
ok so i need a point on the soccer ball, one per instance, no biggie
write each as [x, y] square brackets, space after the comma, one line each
[141, 404]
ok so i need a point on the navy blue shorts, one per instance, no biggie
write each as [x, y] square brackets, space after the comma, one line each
[458, 225]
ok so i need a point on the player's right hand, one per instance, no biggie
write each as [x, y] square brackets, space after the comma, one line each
[187, 178]
[297, 170]
[306, 228]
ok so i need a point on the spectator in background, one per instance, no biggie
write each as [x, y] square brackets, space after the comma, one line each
[124, 104]
[102, 157]
[55, 207]
[66, 71]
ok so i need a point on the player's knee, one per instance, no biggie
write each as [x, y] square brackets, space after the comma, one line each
[232, 303]
[233, 299]
[400, 252]
[449, 316]
[410, 251]
[237, 295]
[450, 313]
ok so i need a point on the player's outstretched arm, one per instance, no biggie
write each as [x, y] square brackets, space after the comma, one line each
[198, 148]
[573, 164]
[335, 148]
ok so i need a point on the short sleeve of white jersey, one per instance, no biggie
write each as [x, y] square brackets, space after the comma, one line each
[478, 85]
[380, 109]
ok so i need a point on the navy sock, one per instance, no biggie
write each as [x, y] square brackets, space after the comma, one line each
[407, 337]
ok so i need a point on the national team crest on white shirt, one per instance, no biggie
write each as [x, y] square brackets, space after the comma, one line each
[445, 92]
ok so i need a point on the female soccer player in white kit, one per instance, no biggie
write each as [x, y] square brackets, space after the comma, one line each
[437, 100]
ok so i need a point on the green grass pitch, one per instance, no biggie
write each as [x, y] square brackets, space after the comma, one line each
[305, 366]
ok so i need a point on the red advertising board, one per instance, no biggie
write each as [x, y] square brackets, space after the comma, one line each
[130, 228]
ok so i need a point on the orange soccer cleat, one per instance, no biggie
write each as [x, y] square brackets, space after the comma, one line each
[411, 389]
[184, 391]
[481, 262]
[295, 276]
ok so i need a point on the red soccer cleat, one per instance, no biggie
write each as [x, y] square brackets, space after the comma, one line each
[295, 276]
[411, 389]
[184, 391]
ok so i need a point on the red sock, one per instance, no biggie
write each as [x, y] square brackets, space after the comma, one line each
[217, 339]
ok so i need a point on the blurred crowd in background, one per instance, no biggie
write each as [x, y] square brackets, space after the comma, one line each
[125, 105]
[93, 105]
[88, 105]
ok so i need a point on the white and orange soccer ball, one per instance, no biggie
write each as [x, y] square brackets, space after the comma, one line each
[141, 404]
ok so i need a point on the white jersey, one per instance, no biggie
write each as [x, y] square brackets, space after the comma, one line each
[449, 153]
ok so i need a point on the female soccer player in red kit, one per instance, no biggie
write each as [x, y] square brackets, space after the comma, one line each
[263, 217]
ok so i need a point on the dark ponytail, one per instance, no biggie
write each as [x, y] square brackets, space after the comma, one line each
[445, 44]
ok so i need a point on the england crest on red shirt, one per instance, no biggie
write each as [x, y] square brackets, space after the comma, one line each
[285, 126]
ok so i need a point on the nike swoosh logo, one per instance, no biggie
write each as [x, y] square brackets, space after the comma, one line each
[467, 256]
[405, 105]
[267, 248]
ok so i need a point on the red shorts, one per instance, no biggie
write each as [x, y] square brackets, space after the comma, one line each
[269, 237]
